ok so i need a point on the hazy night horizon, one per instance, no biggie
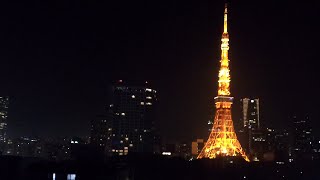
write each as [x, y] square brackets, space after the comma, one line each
[59, 59]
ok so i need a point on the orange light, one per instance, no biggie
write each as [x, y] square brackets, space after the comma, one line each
[223, 139]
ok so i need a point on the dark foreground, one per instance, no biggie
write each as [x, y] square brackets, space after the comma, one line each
[138, 167]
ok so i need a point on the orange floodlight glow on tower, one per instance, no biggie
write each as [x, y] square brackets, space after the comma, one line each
[223, 140]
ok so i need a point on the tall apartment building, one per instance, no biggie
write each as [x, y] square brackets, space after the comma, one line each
[133, 118]
[250, 116]
[251, 134]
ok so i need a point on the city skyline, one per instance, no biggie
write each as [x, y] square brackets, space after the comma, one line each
[58, 71]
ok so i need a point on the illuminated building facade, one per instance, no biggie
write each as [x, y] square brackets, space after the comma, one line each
[251, 136]
[250, 113]
[223, 140]
[133, 118]
[4, 105]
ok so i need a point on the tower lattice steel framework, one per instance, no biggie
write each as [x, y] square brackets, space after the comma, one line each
[223, 139]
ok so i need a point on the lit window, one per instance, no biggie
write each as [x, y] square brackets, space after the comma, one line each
[123, 114]
[148, 97]
[71, 176]
[147, 89]
[166, 153]
[142, 103]
[133, 96]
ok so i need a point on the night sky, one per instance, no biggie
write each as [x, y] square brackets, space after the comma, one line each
[58, 58]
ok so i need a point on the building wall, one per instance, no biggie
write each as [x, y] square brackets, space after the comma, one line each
[196, 147]
[302, 138]
[250, 135]
[133, 112]
[250, 113]
[4, 105]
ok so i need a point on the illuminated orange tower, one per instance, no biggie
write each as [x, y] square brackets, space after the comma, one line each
[223, 139]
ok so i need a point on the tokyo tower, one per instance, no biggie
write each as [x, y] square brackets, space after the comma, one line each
[223, 139]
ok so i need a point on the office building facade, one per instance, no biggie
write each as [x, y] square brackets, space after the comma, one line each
[133, 118]
[250, 114]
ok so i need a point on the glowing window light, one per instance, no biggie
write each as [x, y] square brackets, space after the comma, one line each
[166, 153]
[71, 177]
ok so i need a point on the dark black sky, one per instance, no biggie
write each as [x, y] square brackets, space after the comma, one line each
[58, 57]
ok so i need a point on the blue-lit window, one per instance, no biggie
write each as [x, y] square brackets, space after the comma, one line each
[71, 176]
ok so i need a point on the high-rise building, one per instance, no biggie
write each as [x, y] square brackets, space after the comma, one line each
[251, 135]
[133, 118]
[4, 105]
[250, 116]
[223, 140]
[302, 138]
[101, 131]
[277, 144]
